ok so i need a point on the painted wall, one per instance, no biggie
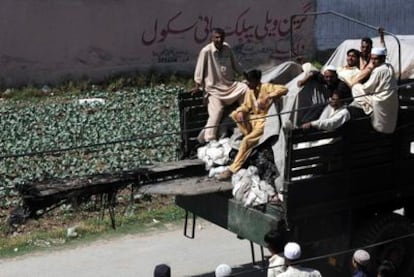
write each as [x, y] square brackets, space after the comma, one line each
[44, 41]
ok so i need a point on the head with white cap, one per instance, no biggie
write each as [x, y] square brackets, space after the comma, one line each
[329, 75]
[360, 259]
[292, 252]
[223, 270]
[378, 55]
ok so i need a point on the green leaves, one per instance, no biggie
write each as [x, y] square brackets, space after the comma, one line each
[127, 116]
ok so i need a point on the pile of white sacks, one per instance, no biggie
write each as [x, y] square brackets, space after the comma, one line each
[215, 153]
[247, 186]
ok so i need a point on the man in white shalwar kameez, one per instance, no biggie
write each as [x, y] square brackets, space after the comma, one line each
[215, 73]
[378, 96]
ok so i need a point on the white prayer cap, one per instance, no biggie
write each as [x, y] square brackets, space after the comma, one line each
[292, 251]
[329, 67]
[379, 51]
[223, 270]
[361, 257]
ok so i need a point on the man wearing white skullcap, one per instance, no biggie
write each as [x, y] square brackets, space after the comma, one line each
[327, 77]
[319, 86]
[366, 47]
[365, 62]
[223, 270]
[360, 261]
[379, 51]
[378, 96]
[292, 253]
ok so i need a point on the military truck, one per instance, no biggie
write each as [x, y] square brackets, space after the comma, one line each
[337, 197]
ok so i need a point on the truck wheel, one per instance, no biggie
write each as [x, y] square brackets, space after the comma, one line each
[400, 252]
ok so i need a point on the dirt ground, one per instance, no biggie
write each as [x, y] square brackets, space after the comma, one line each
[137, 255]
[71, 214]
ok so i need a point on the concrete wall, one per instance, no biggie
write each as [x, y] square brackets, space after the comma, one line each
[46, 41]
[395, 16]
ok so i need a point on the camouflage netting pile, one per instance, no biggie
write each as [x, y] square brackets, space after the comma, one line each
[113, 126]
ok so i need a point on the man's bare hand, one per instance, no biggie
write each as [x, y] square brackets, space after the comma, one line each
[195, 89]
[306, 125]
[240, 116]
[263, 103]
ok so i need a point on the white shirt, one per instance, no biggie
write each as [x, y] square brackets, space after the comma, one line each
[384, 102]
[331, 119]
[276, 265]
[298, 271]
[347, 74]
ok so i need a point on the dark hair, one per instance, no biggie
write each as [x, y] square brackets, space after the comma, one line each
[367, 40]
[218, 31]
[356, 52]
[338, 92]
[162, 270]
[344, 93]
[386, 269]
[382, 58]
[253, 75]
[275, 241]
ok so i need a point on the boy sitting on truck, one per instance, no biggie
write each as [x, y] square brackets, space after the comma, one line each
[251, 117]
[333, 116]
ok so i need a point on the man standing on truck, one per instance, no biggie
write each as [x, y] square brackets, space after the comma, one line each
[215, 72]
[251, 117]
[378, 96]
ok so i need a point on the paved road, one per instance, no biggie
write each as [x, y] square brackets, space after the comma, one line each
[136, 255]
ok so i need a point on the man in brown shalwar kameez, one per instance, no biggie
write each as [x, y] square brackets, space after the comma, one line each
[215, 72]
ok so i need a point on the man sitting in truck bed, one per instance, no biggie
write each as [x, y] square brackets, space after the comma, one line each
[251, 117]
[326, 83]
[378, 96]
[333, 116]
[348, 72]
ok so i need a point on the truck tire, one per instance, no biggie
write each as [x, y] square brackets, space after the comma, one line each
[388, 227]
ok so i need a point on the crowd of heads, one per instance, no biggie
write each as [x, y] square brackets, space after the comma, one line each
[360, 262]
